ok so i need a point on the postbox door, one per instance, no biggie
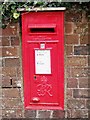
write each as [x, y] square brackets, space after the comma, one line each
[45, 76]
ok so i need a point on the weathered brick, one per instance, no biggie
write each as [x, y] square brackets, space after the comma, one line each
[88, 104]
[10, 30]
[85, 39]
[84, 18]
[80, 72]
[72, 16]
[69, 93]
[12, 103]
[75, 113]
[68, 113]
[58, 114]
[89, 113]
[72, 83]
[10, 51]
[1, 106]
[68, 27]
[80, 28]
[88, 60]
[12, 62]
[68, 72]
[77, 61]
[81, 50]
[5, 41]
[43, 114]
[11, 93]
[0, 52]
[81, 93]
[1, 62]
[30, 113]
[15, 41]
[16, 82]
[76, 104]
[19, 113]
[6, 81]
[18, 72]
[0, 41]
[72, 39]
[84, 83]
[9, 113]
[89, 27]
[9, 71]
[69, 50]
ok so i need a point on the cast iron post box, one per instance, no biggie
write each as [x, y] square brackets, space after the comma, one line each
[43, 59]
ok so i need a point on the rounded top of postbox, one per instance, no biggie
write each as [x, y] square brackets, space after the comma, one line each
[43, 9]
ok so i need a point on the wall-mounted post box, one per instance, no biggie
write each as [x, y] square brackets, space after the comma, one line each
[43, 59]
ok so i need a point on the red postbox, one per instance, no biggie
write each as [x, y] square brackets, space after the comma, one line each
[43, 59]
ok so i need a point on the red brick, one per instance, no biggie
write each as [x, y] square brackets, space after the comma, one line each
[81, 50]
[80, 72]
[75, 113]
[12, 103]
[89, 27]
[72, 83]
[9, 113]
[89, 113]
[1, 62]
[0, 52]
[77, 61]
[10, 51]
[69, 50]
[0, 41]
[81, 93]
[68, 72]
[88, 104]
[11, 82]
[11, 29]
[44, 113]
[69, 93]
[18, 72]
[72, 39]
[88, 60]
[84, 18]
[11, 93]
[85, 39]
[80, 28]
[76, 104]
[15, 41]
[58, 114]
[5, 41]
[0, 31]
[16, 82]
[72, 16]
[12, 62]
[30, 113]
[19, 113]
[9, 71]
[84, 83]
[68, 27]
[6, 82]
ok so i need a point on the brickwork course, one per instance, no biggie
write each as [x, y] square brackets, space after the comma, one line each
[77, 71]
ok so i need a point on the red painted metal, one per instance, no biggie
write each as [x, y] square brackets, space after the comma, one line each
[43, 46]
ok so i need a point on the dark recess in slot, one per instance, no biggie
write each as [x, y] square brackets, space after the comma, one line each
[42, 30]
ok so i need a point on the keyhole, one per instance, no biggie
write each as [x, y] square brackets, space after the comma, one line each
[35, 77]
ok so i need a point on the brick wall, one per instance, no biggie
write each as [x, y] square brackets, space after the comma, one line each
[77, 71]
[77, 47]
